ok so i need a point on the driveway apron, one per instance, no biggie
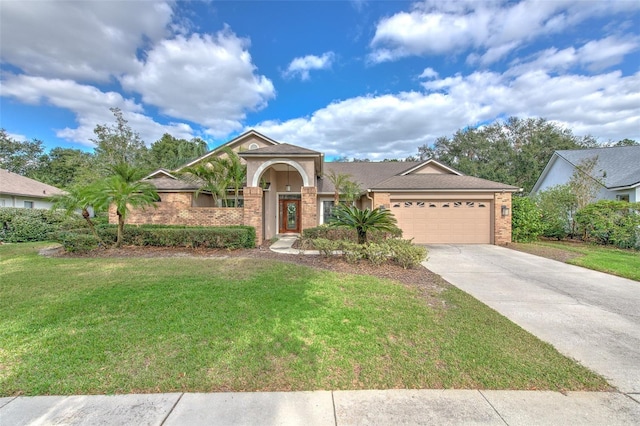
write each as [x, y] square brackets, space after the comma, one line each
[587, 315]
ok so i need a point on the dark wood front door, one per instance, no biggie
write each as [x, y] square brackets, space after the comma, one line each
[289, 216]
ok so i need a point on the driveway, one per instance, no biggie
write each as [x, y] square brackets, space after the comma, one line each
[589, 316]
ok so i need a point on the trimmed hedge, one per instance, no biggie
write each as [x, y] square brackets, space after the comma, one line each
[23, 225]
[231, 237]
[344, 234]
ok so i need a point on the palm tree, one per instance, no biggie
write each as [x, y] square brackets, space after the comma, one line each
[351, 191]
[363, 220]
[209, 177]
[236, 172]
[76, 198]
[338, 180]
[124, 189]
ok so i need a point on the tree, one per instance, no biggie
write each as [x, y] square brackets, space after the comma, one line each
[586, 182]
[363, 220]
[169, 152]
[339, 180]
[125, 191]
[76, 198]
[558, 208]
[65, 167]
[626, 142]
[513, 152]
[20, 157]
[351, 191]
[119, 144]
[526, 220]
[235, 172]
[209, 177]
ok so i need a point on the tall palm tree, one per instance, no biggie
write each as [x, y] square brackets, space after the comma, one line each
[124, 189]
[339, 180]
[363, 220]
[76, 198]
[210, 177]
[236, 172]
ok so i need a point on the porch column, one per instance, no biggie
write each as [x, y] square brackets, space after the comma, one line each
[253, 210]
[309, 207]
[501, 225]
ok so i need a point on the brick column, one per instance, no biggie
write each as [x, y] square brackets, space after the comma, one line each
[309, 207]
[501, 225]
[253, 210]
[381, 199]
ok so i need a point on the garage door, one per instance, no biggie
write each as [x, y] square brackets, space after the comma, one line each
[444, 221]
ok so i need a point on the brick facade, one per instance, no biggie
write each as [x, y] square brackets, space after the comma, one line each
[176, 209]
[309, 207]
[253, 210]
[501, 225]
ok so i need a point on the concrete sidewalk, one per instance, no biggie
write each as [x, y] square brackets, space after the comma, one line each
[337, 408]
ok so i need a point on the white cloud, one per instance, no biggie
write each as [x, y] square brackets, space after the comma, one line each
[205, 79]
[85, 40]
[394, 125]
[490, 30]
[90, 105]
[601, 54]
[428, 73]
[301, 66]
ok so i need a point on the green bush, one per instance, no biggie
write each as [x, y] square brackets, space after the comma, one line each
[22, 225]
[377, 253]
[557, 206]
[407, 255]
[326, 247]
[76, 241]
[231, 237]
[526, 220]
[324, 231]
[352, 252]
[611, 222]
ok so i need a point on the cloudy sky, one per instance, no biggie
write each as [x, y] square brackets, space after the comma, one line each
[371, 79]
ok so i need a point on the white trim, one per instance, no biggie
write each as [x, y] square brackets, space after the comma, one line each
[160, 171]
[431, 160]
[264, 166]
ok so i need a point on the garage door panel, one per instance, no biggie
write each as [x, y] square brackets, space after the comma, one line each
[444, 221]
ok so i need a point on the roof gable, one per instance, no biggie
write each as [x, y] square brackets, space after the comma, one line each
[242, 143]
[160, 173]
[431, 166]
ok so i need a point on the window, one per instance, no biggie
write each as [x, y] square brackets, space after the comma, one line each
[231, 202]
[420, 203]
[396, 205]
[1, 203]
[481, 205]
[28, 204]
[253, 146]
[327, 211]
[445, 204]
[470, 204]
[432, 205]
[623, 197]
[408, 203]
[457, 203]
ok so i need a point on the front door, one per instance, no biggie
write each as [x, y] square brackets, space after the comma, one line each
[289, 216]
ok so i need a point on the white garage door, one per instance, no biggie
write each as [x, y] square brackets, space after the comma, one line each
[444, 221]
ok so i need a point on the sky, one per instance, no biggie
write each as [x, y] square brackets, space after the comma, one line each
[365, 79]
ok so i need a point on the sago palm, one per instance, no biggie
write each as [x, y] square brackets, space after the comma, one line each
[363, 220]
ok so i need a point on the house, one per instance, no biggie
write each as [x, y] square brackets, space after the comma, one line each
[287, 191]
[617, 168]
[21, 192]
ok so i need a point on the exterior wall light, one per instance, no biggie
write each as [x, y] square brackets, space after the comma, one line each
[504, 210]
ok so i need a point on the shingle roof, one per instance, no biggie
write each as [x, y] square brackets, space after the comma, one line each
[280, 149]
[168, 184]
[14, 184]
[436, 182]
[621, 164]
[366, 174]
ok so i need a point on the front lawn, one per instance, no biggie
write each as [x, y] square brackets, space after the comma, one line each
[124, 325]
[624, 263]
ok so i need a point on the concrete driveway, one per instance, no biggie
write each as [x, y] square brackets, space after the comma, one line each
[589, 316]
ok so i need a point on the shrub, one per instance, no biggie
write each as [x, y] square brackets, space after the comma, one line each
[611, 222]
[324, 231]
[76, 241]
[325, 246]
[407, 255]
[557, 206]
[377, 253]
[526, 220]
[22, 225]
[352, 252]
[231, 237]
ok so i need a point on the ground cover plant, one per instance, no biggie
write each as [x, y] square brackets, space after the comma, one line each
[624, 263]
[163, 324]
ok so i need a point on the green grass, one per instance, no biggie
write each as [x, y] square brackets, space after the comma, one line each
[624, 263]
[87, 326]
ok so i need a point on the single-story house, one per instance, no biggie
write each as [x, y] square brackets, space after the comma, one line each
[22, 192]
[617, 169]
[287, 191]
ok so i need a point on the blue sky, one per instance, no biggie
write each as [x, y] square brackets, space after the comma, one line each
[371, 79]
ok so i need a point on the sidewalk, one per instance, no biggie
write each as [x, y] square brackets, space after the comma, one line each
[335, 408]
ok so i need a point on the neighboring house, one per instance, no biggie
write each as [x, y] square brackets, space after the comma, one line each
[23, 192]
[617, 169]
[286, 192]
